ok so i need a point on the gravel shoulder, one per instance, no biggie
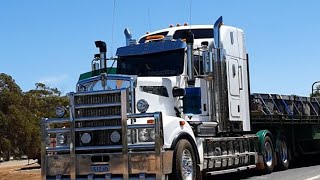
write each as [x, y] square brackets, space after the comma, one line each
[20, 170]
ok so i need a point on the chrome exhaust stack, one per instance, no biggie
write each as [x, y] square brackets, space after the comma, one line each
[103, 53]
[128, 36]
[220, 88]
[190, 62]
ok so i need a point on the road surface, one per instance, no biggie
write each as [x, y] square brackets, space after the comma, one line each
[308, 169]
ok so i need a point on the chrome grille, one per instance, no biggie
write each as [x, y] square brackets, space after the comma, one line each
[105, 111]
[97, 99]
[95, 106]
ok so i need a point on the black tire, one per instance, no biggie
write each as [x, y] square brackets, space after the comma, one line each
[283, 154]
[268, 155]
[180, 169]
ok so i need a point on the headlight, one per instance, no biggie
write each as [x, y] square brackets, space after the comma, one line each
[153, 134]
[85, 138]
[61, 139]
[142, 105]
[143, 135]
[60, 111]
[131, 136]
[115, 136]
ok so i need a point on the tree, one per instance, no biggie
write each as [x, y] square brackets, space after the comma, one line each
[12, 116]
[20, 115]
[41, 102]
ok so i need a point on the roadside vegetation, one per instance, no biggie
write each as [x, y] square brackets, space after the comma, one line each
[20, 116]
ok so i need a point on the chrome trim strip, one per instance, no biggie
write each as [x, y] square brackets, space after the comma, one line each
[97, 92]
[124, 99]
[230, 156]
[84, 148]
[58, 149]
[57, 120]
[97, 105]
[140, 126]
[97, 128]
[73, 163]
[142, 115]
[97, 118]
[58, 130]
[108, 77]
[141, 146]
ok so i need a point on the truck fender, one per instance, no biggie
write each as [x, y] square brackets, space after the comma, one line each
[184, 135]
[261, 135]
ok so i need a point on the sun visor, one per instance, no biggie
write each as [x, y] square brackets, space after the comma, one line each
[151, 47]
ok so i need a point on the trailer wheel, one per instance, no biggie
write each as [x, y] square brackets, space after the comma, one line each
[184, 163]
[283, 155]
[268, 155]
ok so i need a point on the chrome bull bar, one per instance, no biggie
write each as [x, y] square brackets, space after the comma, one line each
[72, 155]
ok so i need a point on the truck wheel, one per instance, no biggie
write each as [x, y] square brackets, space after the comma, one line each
[268, 155]
[184, 163]
[283, 155]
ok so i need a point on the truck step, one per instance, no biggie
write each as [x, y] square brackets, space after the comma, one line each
[231, 170]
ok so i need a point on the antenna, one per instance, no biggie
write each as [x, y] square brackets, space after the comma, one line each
[149, 20]
[112, 33]
[190, 3]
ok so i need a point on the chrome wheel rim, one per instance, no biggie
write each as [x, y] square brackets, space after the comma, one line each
[187, 165]
[268, 153]
[283, 152]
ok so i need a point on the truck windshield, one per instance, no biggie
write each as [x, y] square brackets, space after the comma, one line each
[168, 63]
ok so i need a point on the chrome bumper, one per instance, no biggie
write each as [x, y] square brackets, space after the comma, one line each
[141, 165]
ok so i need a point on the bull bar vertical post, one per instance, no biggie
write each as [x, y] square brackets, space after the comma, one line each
[72, 136]
[124, 93]
[158, 144]
[43, 148]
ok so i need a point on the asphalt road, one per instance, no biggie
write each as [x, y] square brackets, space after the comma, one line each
[305, 170]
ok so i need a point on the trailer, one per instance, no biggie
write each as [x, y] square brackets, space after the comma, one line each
[177, 105]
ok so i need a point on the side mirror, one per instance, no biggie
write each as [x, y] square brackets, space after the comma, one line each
[176, 92]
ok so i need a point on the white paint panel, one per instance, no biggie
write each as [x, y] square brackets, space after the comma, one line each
[235, 107]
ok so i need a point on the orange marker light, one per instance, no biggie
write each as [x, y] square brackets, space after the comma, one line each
[171, 26]
[178, 25]
[182, 123]
[150, 121]
[155, 37]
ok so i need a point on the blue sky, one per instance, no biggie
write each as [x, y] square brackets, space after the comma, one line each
[53, 41]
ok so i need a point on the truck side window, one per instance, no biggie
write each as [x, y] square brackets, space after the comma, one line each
[198, 33]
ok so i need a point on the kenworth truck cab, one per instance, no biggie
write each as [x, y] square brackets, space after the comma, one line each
[175, 106]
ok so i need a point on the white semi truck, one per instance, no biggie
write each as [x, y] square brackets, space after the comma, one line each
[177, 105]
